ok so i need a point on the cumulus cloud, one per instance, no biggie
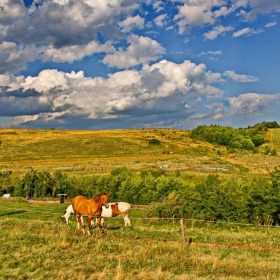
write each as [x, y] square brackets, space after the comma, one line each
[260, 7]
[158, 6]
[216, 31]
[160, 91]
[52, 32]
[61, 31]
[131, 23]
[140, 50]
[13, 57]
[75, 52]
[240, 78]
[63, 23]
[247, 31]
[160, 20]
[195, 13]
[11, 12]
[252, 103]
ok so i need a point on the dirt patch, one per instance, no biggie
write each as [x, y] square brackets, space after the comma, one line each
[44, 201]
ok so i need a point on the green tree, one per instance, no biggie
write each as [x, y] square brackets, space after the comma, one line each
[28, 183]
[258, 139]
[44, 184]
[61, 184]
[264, 200]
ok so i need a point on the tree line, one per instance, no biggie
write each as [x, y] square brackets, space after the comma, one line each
[230, 137]
[254, 201]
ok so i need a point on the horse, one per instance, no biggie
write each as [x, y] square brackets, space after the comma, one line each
[115, 209]
[90, 208]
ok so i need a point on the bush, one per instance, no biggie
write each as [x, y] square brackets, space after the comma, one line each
[154, 142]
[258, 139]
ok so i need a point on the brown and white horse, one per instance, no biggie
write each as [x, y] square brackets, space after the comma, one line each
[90, 208]
[114, 209]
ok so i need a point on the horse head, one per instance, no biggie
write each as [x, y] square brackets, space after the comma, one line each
[105, 199]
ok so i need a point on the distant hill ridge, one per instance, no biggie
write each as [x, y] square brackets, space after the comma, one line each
[273, 124]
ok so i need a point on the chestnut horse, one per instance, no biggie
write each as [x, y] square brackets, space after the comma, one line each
[90, 208]
[114, 209]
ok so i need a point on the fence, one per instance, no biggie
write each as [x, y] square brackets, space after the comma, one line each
[181, 220]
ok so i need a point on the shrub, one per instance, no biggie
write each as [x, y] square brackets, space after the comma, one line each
[258, 139]
[154, 142]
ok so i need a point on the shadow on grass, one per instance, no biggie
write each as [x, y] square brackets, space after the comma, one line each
[13, 213]
[112, 227]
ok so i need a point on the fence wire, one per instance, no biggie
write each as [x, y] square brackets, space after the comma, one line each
[156, 218]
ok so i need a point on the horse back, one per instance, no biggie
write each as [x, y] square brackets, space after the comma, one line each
[85, 207]
[120, 208]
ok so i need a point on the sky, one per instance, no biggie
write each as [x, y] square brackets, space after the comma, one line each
[113, 64]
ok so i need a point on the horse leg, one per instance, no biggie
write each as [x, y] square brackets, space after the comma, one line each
[92, 223]
[98, 221]
[89, 219]
[126, 221]
[80, 223]
[101, 222]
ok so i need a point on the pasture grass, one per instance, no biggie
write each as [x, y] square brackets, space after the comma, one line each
[80, 152]
[275, 137]
[35, 244]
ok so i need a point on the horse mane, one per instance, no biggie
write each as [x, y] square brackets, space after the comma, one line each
[98, 198]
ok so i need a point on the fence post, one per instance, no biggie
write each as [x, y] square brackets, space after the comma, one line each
[183, 231]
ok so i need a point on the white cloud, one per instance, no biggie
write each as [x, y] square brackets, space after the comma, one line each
[242, 32]
[131, 23]
[13, 57]
[247, 31]
[45, 81]
[72, 53]
[211, 53]
[262, 7]
[240, 78]
[196, 13]
[11, 11]
[201, 12]
[62, 23]
[140, 50]
[160, 20]
[54, 96]
[158, 6]
[252, 103]
[216, 31]
[270, 24]
[61, 31]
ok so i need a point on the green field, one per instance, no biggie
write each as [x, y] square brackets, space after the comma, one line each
[35, 244]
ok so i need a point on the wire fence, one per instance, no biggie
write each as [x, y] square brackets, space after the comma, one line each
[158, 218]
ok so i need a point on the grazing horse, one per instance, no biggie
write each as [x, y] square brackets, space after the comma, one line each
[90, 208]
[114, 209]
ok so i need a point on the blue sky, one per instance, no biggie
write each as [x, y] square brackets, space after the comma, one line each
[107, 64]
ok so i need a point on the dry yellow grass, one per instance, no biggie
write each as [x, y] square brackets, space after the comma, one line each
[100, 151]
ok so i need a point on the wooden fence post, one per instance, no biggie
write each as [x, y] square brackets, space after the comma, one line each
[183, 231]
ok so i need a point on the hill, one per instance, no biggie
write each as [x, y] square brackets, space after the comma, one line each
[83, 152]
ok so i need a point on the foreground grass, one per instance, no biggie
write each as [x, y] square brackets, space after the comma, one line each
[35, 244]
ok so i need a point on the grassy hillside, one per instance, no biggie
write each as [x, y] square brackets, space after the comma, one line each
[99, 151]
[35, 244]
